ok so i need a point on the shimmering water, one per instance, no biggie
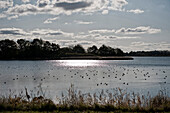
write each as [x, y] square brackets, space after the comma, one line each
[141, 75]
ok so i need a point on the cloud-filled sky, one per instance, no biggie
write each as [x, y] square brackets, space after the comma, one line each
[126, 24]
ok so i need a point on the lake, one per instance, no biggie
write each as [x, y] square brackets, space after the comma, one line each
[52, 77]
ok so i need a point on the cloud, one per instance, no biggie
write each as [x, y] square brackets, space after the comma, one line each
[124, 37]
[104, 12]
[6, 3]
[49, 20]
[136, 11]
[73, 42]
[72, 5]
[148, 46]
[118, 5]
[114, 37]
[83, 22]
[25, 1]
[138, 30]
[100, 35]
[3, 16]
[12, 31]
[43, 3]
[23, 9]
[67, 7]
[102, 31]
[12, 17]
[50, 32]
[17, 32]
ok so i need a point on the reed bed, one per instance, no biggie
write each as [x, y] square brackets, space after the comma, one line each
[117, 100]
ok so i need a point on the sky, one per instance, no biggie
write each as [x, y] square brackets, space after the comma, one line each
[131, 25]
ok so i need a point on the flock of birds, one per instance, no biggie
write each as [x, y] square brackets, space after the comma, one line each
[99, 75]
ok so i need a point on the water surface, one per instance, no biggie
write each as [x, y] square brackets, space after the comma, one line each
[141, 75]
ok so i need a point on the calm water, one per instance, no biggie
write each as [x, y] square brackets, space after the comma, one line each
[141, 75]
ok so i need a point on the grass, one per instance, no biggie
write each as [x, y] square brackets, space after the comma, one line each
[105, 101]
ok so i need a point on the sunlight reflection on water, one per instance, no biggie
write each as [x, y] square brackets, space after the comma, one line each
[79, 63]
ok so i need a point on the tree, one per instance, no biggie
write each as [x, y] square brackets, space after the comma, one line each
[92, 50]
[39, 49]
[55, 47]
[78, 49]
[9, 48]
[106, 51]
[36, 48]
[21, 43]
[118, 52]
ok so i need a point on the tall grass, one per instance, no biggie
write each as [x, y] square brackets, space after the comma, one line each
[116, 100]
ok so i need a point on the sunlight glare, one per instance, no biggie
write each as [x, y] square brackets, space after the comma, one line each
[79, 63]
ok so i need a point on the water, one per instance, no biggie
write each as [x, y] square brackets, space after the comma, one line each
[141, 75]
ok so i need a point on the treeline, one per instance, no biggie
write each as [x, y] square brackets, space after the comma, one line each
[148, 53]
[40, 49]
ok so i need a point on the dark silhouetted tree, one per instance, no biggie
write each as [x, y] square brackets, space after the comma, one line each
[92, 50]
[78, 49]
[106, 51]
[8, 49]
[40, 49]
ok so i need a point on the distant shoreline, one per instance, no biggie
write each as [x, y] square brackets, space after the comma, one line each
[78, 58]
[82, 58]
[97, 58]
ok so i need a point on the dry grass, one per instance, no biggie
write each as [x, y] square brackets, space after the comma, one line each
[116, 100]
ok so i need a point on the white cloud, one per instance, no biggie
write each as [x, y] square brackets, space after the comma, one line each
[23, 9]
[2, 16]
[101, 35]
[126, 37]
[139, 30]
[12, 31]
[6, 3]
[25, 1]
[12, 17]
[67, 7]
[148, 46]
[118, 5]
[114, 37]
[82, 22]
[104, 12]
[136, 11]
[43, 3]
[15, 33]
[71, 42]
[50, 32]
[102, 31]
[49, 20]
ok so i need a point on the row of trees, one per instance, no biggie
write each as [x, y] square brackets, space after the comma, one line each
[148, 53]
[40, 49]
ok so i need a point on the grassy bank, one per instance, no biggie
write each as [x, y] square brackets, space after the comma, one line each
[117, 101]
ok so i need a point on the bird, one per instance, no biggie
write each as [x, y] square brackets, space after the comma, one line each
[27, 95]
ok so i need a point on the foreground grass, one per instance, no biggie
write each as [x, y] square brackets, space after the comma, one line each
[105, 101]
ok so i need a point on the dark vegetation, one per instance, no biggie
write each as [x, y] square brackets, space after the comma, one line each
[149, 53]
[40, 49]
[117, 100]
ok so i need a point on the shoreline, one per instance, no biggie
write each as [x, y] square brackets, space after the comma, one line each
[96, 58]
[77, 58]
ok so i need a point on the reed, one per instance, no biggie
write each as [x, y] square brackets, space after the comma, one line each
[115, 100]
